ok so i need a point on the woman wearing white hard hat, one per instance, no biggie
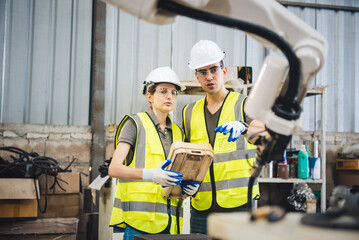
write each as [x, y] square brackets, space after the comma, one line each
[143, 142]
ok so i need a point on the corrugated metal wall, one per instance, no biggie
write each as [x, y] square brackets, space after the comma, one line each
[339, 74]
[45, 60]
[142, 46]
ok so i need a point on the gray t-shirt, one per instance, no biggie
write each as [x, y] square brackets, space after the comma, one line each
[128, 133]
[212, 121]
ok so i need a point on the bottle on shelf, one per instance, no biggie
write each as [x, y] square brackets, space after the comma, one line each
[303, 163]
[314, 162]
[283, 168]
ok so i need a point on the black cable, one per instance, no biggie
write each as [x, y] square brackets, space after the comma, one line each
[286, 106]
[22, 159]
[249, 195]
[38, 165]
[7, 166]
[178, 211]
[38, 198]
[56, 182]
[17, 150]
[19, 161]
[66, 168]
[257, 172]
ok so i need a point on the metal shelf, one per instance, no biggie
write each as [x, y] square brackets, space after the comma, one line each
[314, 91]
[289, 180]
[311, 92]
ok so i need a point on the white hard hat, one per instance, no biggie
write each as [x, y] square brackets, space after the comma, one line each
[161, 75]
[204, 53]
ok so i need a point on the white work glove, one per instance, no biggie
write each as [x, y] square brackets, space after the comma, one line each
[159, 175]
[189, 187]
[236, 128]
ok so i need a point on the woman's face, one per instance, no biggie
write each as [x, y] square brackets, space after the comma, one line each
[163, 98]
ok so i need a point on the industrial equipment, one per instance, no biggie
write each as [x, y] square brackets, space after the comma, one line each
[282, 82]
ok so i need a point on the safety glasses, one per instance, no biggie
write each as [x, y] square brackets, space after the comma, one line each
[213, 70]
[165, 91]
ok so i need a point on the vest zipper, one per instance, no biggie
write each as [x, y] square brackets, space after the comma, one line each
[178, 210]
[163, 148]
[211, 169]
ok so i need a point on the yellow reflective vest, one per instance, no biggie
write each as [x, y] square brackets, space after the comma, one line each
[139, 204]
[226, 186]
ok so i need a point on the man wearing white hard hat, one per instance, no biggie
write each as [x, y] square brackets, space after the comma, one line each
[143, 143]
[210, 120]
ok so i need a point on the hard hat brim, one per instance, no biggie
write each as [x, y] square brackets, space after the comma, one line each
[179, 85]
[217, 60]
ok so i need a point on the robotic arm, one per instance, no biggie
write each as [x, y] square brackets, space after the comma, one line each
[282, 82]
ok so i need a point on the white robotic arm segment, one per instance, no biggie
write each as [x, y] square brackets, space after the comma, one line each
[269, 14]
[148, 11]
[144, 9]
[272, 76]
[311, 55]
[264, 93]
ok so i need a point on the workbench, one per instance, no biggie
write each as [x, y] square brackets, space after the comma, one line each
[36, 229]
[236, 226]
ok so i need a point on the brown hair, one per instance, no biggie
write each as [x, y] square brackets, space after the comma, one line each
[151, 89]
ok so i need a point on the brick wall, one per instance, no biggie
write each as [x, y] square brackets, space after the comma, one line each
[62, 143]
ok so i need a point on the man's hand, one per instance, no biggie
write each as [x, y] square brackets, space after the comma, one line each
[236, 128]
[189, 187]
[159, 175]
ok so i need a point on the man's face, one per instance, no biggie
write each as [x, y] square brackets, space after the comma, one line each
[211, 77]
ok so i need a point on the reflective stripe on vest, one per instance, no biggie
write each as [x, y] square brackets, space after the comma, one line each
[140, 204]
[232, 160]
